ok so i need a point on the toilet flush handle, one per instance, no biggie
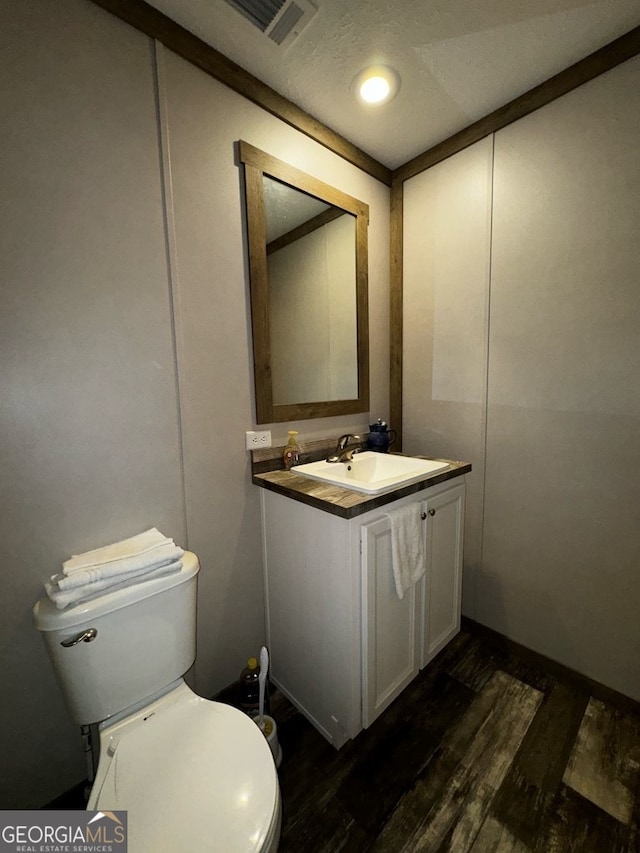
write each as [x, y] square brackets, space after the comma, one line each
[85, 637]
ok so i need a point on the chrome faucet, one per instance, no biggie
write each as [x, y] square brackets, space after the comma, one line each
[344, 452]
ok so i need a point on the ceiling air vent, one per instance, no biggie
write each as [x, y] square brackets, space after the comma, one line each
[280, 20]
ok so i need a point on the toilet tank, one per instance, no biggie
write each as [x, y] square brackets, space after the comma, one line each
[145, 640]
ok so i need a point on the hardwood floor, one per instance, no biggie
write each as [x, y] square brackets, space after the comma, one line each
[484, 752]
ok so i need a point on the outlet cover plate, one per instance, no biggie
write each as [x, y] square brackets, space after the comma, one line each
[257, 439]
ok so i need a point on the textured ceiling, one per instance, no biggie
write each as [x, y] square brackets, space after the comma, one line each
[458, 60]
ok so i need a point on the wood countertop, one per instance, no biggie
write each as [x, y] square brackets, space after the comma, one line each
[337, 500]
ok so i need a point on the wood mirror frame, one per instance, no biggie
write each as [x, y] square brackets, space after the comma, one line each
[257, 164]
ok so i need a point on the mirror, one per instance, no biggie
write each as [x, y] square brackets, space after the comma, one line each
[308, 270]
[311, 271]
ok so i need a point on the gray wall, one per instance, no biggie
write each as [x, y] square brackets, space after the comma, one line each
[528, 340]
[125, 340]
[447, 240]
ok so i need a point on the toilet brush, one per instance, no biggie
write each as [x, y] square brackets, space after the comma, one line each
[266, 723]
[262, 681]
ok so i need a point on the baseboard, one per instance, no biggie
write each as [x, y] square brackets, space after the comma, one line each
[553, 667]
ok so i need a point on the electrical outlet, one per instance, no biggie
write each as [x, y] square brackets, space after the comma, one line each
[256, 439]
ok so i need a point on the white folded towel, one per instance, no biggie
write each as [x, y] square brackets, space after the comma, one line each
[160, 556]
[407, 546]
[125, 549]
[63, 598]
[138, 559]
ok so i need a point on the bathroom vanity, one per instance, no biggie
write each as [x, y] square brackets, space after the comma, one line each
[343, 646]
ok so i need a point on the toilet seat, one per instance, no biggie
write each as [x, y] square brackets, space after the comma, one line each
[192, 774]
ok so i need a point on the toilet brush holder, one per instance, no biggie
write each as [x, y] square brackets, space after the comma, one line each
[269, 729]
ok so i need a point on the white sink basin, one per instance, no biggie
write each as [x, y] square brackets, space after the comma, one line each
[371, 472]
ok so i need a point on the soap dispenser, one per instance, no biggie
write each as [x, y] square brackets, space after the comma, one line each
[291, 455]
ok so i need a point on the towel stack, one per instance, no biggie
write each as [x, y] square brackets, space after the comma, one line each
[140, 558]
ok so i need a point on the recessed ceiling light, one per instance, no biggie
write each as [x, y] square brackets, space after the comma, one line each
[377, 84]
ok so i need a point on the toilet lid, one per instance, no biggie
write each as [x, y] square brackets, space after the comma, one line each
[192, 775]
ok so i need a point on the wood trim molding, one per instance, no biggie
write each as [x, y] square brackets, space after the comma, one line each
[158, 26]
[396, 308]
[625, 47]
[555, 668]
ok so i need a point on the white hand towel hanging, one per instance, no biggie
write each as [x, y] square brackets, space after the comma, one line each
[407, 546]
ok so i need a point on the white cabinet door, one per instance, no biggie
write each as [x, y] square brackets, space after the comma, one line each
[390, 629]
[313, 614]
[443, 579]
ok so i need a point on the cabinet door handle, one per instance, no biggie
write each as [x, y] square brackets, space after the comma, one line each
[432, 512]
[423, 515]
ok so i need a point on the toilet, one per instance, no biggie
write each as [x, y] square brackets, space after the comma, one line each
[192, 774]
